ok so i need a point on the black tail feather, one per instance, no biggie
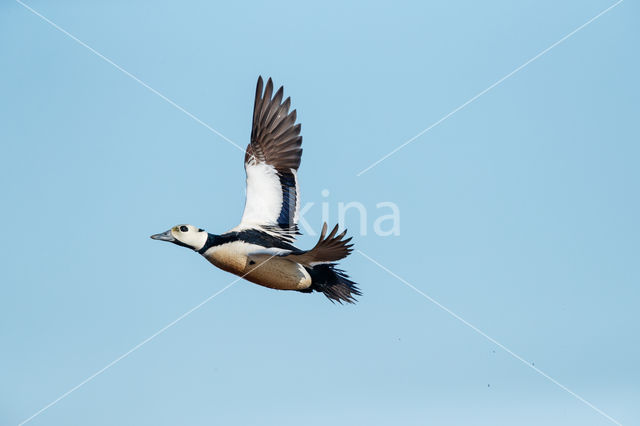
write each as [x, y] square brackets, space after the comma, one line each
[334, 283]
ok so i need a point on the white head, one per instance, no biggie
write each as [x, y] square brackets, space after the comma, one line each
[184, 235]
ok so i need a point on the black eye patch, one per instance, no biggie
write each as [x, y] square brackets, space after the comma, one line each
[200, 230]
[183, 228]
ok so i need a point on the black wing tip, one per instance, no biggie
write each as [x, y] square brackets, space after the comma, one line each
[275, 135]
[259, 87]
[260, 84]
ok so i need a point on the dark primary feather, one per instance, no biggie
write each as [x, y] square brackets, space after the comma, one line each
[275, 138]
[329, 248]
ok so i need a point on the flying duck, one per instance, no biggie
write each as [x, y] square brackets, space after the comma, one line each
[260, 248]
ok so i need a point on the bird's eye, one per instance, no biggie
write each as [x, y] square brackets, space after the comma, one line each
[183, 228]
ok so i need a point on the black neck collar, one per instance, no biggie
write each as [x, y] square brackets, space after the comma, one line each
[212, 240]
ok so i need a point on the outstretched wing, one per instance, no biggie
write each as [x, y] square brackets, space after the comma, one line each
[329, 249]
[271, 161]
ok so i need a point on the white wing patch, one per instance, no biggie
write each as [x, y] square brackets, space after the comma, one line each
[264, 196]
[272, 251]
[297, 209]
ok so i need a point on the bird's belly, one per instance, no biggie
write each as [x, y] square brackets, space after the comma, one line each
[273, 272]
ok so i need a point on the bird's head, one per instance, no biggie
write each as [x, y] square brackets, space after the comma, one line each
[184, 235]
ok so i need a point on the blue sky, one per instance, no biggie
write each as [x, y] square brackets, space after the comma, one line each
[518, 213]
